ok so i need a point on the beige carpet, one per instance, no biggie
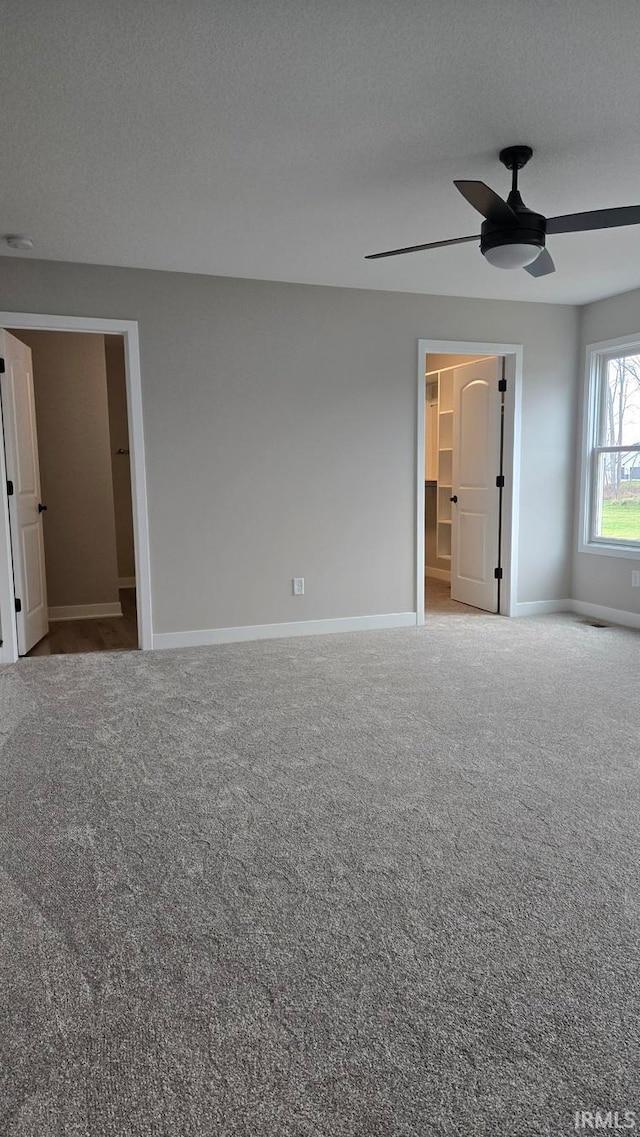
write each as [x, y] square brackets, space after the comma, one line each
[369, 885]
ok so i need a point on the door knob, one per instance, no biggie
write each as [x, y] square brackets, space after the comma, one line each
[41, 508]
[454, 498]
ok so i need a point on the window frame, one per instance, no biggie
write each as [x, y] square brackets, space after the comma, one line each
[597, 357]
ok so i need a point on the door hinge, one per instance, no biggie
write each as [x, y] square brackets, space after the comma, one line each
[1, 365]
[497, 573]
[502, 384]
[500, 481]
[9, 488]
[18, 605]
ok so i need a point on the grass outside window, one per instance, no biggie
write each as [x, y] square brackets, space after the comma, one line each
[620, 520]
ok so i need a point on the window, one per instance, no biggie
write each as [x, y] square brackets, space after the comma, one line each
[611, 489]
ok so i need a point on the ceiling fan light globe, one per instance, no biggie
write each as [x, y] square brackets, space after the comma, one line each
[513, 255]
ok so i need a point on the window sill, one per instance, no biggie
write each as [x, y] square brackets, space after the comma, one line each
[602, 549]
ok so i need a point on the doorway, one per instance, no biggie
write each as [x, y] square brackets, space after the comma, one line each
[462, 502]
[468, 439]
[73, 531]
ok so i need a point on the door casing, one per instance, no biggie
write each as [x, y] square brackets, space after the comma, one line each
[513, 357]
[128, 329]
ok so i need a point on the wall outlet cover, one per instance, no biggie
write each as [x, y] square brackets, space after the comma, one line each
[298, 585]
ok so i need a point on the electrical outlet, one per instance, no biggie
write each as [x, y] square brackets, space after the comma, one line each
[635, 578]
[298, 586]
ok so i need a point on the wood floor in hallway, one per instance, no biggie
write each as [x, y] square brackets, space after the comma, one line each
[111, 633]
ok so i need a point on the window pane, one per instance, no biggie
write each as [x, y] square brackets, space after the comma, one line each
[621, 402]
[617, 502]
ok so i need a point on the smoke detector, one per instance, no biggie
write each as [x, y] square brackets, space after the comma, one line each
[19, 241]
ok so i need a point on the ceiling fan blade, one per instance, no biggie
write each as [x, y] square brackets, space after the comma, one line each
[596, 219]
[542, 265]
[419, 248]
[487, 202]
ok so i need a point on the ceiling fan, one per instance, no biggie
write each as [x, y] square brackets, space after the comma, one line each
[513, 236]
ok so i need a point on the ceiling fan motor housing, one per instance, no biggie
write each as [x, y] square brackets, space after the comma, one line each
[530, 230]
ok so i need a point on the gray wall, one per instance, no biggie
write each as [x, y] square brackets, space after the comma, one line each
[280, 425]
[601, 579]
[70, 386]
[435, 361]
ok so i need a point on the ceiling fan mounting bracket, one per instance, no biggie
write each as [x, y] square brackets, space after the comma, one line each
[515, 157]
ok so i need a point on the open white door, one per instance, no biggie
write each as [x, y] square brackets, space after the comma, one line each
[23, 474]
[476, 464]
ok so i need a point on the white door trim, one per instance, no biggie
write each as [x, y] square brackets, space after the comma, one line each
[129, 330]
[513, 354]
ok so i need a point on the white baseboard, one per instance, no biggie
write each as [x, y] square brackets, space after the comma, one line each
[437, 574]
[126, 582]
[84, 611]
[542, 607]
[208, 636]
[581, 608]
[610, 615]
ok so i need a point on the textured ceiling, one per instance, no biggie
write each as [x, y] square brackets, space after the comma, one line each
[285, 139]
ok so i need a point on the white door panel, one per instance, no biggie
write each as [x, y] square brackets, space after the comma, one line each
[21, 449]
[471, 545]
[474, 406]
[476, 463]
[35, 596]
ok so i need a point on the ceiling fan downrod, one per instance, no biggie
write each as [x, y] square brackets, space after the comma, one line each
[515, 159]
